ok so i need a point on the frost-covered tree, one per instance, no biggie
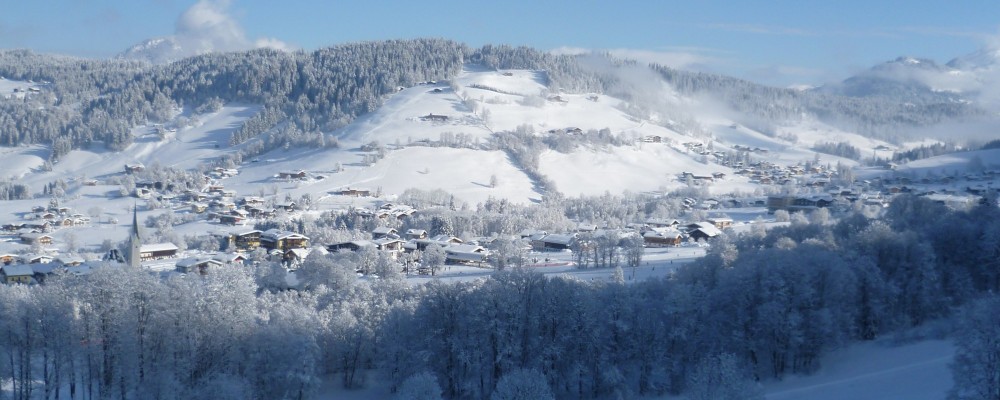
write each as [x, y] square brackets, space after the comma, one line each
[722, 377]
[420, 386]
[522, 384]
[976, 368]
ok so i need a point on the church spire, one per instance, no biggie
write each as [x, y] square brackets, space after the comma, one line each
[135, 241]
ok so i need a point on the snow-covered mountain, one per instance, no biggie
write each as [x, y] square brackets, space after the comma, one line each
[987, 58]
[906, 79]
[968, 78]
[161, 50]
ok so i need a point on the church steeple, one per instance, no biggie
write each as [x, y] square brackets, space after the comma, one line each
[135, 242]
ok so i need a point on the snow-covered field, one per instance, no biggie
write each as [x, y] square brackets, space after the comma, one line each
[870, 371]
[866, 371]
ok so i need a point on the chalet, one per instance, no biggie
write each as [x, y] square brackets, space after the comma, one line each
[393, 245]
[258, 212]
[36, 259]
[439, 240]
[193, 195]
[8, 258]
[33, 238]
[216, 188]
[252, 201]
[287, 206]
[465, 254]
[196, 264]
[69, 260]
[652, 139]
[662, 237]
[230, 219]
[435, 118]
[353, 245]
[145, 184]
[415, 234]
[230, 258]
[134, 168]
[245, 240]
[297, 174]
[703, 231]
[274, 239]
[553, 242]
[384, 232]
[582, 227]
[295, 255]
[199, 208]
[353, 192]
[663, 223]
[792, 203]
[157, 251]
[13, 227]
[14, 274]
[721, 222]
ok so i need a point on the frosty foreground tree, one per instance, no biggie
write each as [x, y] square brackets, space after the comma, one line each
[720, 377]
[524, 384]
[976, 369]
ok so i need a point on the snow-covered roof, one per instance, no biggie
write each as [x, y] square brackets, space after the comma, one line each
[157, 247]
[18, 270]
[556, 238]
[277, 234]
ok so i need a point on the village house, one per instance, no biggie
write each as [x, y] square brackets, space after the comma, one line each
[465, 254]
[553, 242]
[354, 192]
[275, 239]
[8, 258]
[69, 260]
[353, 245]
[245, 240]
[703, 231]
[384, 232]
[36, 238]
[157, 251]
[660, 237]
[133, 168]
[411, 234]
[19, 273]
[36, 259]
[435, 118]
[200, 265]
[199, 208]
[663, 223]
[297, 174]
[230, 258]
[392, 245]
[721, 222]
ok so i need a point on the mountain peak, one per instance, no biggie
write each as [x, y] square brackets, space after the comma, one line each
[985, 58]
[161, 50]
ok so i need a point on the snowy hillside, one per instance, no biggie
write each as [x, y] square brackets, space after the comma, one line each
[437, 136]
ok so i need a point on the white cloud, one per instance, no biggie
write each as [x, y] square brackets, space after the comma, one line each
[208, 26]
[674, 59]
[273, 43]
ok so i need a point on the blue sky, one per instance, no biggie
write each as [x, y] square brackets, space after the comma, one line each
[775, 42]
